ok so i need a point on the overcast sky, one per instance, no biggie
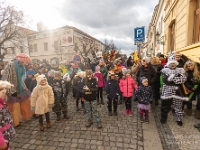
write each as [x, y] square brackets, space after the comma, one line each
[103, 19]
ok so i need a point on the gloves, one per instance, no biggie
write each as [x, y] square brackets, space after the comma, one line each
[51, 106]
[171, 76]
[33, 109]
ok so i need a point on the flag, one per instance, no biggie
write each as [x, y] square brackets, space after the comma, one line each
[135, 56]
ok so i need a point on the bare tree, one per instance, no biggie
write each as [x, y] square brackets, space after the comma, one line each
[87, 46]
[109, 45]
[10, 22]
[59, 49]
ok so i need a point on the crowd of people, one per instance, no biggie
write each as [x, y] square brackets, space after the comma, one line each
[32, 89]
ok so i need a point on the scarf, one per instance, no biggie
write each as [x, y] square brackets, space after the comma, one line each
[21, 73]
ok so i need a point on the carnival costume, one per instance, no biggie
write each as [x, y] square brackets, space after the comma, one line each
[18, 96]
[172, 90]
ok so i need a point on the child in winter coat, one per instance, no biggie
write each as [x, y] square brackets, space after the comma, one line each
[42, 100]
[60, 89]
[7, 131]
[77, 83]
[127, 86]
[144, 95]
[112, 91]
[101, 84]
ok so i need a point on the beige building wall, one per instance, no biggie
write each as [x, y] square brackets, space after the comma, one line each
[59, 53]
[182, 13]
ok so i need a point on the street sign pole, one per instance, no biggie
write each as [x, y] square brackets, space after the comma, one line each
[139, 36]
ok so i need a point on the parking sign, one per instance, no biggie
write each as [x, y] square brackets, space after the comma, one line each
[139, 34]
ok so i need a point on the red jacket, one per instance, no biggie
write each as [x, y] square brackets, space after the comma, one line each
[127, 86]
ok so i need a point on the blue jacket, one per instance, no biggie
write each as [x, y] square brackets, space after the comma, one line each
[112, 88]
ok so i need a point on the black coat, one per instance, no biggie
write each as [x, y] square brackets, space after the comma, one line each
[148, 72]
[191, 82]
[92, 85]
[112, 88]
[144, 94]
[32, 85]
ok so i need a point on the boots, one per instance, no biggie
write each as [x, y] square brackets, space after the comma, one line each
[65, 116]
[41, 127]
[97, 101]
[77, 108]
[58, 118]
[110, 113]
[189, 112]
[179, 123]
[99, 126]
[126, 112]
[130, 112]
[48, 124]
[146, 119]
[102, 102]
[89, 123]
[141, 119]
[163, 120]
[115, 113]
[197, 114]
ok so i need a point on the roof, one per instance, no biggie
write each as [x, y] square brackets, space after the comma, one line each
[70, 27]
[26, 30]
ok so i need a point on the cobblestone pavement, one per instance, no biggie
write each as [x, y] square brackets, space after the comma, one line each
[174, 137]
[118, 133]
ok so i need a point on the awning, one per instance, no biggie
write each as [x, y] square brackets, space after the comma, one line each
[191, 51]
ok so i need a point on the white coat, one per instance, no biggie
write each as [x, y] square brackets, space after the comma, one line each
[41, 98]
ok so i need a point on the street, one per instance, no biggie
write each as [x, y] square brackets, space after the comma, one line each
[118, 133]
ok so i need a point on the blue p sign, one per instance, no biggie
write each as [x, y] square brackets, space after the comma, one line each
[139, 34]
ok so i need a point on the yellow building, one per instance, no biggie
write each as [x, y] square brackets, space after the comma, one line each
[182, 27]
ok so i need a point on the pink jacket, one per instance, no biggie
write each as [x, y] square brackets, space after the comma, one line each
[127, 85]
[100, 79]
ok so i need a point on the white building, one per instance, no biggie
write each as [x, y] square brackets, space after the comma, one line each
[159, 25]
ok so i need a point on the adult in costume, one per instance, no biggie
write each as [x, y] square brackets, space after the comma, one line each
[18, 95]
[172, 90]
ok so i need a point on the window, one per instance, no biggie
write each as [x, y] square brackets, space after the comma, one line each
[45, 46]
[172, 35]
[196, 36]
[21, 49]
[31, 48]
[35, 47]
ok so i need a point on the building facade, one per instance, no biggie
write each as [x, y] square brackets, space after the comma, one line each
[62, 44]
[159, 25]
[182, 27]
[151, 34]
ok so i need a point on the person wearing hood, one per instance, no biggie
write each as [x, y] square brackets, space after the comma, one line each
[127, 86]
[144, 95]
[146, 70]
[172, 90]
[101, 85]
[42, 100]
[60, 89]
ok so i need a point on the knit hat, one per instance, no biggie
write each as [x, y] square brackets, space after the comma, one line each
[31, 72]
[146, 59]
[143, 79]
[40, 78]
[97, 67]
[50, 73]
[81, 74]
[53, 62]
[57, 74]
[171, 59]
[23, 58]
[5, 84]
[125, 71]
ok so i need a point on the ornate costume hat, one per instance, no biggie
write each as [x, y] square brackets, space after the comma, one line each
[171, 59]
